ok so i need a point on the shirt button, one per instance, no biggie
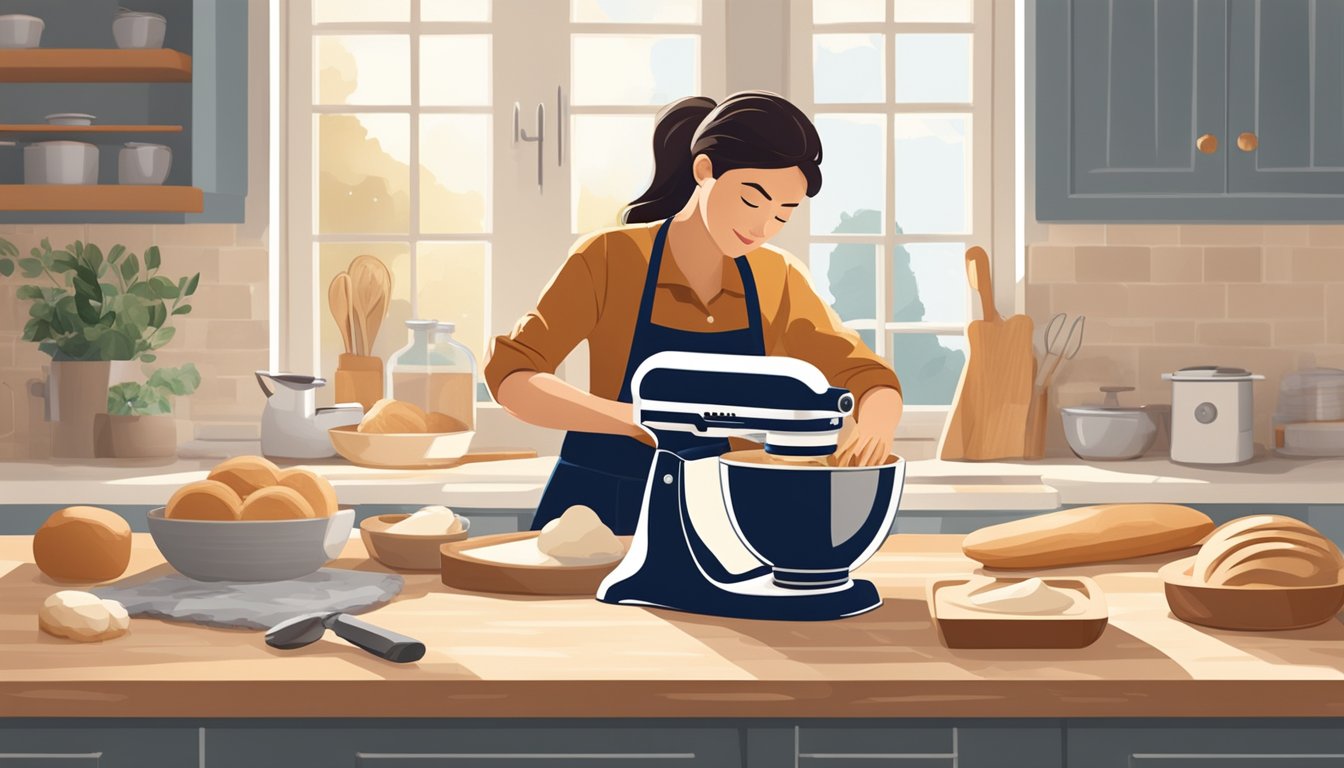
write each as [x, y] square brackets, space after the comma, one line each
[709, 319]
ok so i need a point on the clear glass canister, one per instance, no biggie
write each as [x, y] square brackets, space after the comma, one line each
[435, 377]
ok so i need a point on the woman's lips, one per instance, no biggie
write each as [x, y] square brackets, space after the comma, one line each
[745, 240]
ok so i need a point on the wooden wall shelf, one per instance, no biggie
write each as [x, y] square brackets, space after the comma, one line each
[45, 128]
[94, 65]
[100, 197]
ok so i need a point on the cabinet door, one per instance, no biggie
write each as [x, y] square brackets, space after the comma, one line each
[44, 744]
[1286, 87]
[1191, 747]
[1124, 90]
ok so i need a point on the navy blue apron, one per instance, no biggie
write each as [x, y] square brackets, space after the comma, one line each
[607, 472]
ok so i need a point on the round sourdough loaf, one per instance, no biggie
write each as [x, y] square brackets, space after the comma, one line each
[83, 544]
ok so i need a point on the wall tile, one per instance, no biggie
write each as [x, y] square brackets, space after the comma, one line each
[225, 302]
[1233, 333]
[1177, 301]
[1232, 265]
[1334, 314]
[135, 237]
[1143, 234]
[1113, 264]
[1095, 366]
[1312, 265]
[1174, 331]
[236, 334]
[1299, 333]
[1275, 301]
[1050, 264]
[1287, 234]
[195, 234]
[246, 265]
[1177, 264]
[1038, 303]
[1101, 300]
[1327, 235]
[1077, 234]
[1278, 264]
[1122, 331]
[1221, 234]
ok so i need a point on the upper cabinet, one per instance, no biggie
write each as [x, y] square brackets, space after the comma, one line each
[189, 96]
[1189, 110]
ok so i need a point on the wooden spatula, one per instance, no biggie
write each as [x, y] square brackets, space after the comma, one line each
[338, 300]
[371, 285]
[989, 413]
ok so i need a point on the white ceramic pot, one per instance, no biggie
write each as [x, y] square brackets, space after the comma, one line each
[18, 30]
[60, 162]
[141, 163]
[139, 30]
[70, 118]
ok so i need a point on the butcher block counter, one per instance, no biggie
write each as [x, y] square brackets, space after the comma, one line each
[509, 657]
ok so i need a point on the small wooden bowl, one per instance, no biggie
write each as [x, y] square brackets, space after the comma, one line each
[968, 628]
[463, 568]
[1251, 608]
[405, 551]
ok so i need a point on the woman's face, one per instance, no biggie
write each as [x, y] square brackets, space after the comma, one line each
[746, 207]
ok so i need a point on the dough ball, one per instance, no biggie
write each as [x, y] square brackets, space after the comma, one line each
[314, 488]
[204, 500]
[276, 503]
[393, 417]
[579, 535]
[443, 423]
[82, 616]
[246, 474]
[83, 544]
[1268, 550]
[429, 521]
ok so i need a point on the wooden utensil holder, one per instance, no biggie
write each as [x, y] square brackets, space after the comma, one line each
[1034, 447]
[359, 379]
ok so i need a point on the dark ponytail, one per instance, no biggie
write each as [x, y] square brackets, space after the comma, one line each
[752, 129]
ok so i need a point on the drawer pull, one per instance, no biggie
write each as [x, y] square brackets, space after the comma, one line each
[1208, 143]
[1247, 142]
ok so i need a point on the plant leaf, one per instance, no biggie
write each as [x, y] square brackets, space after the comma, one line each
[88, 294]
[29, 293]
[148, 357]
[185, 309]
[163, 287]
[130, 268]
[152, 257]
[62, 262]
[115, 253]
[7, 248]
[161, 337]
[191, 284]
[6, 267]
[31, 267]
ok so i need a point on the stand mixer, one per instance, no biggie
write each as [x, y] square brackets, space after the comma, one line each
[748, 535]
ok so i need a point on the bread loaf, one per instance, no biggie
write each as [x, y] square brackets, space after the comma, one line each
[1088, 535]
[276, 503]
[82, 616]
[83, 544]
[314, 488]
[204, 500]
[1268, 551]
[245, 474]
[393, 417]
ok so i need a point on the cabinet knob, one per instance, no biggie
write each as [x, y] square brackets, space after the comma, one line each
[1208, 143]
[1247, 142]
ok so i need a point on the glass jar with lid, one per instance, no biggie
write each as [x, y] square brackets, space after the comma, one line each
[436, 374]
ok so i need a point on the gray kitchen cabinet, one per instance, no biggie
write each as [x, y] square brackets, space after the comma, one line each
[1004, 743]
[100, 744]
[500, 744]
[1127, 745]
[1129, 94]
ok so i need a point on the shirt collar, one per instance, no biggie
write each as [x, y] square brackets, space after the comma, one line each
[670, 275]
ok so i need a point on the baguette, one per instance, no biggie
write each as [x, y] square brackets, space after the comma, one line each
[1088, 535]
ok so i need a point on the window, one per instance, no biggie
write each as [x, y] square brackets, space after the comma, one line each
[900, 93]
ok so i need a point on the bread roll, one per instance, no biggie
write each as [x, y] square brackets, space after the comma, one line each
[443, 423]
[1268, 551]
[82, 616]
[393, 416]
[314, 488]
[83, 544]
[246, 474]
[204, 500]
[276, 503]
[1088, 535]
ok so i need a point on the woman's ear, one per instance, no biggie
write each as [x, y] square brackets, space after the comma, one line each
[702, 168]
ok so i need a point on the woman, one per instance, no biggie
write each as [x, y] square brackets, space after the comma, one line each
[690, 271]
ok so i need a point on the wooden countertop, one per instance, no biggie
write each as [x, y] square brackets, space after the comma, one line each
[492, 656]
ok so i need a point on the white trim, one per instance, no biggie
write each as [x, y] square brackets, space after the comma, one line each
[275, 182]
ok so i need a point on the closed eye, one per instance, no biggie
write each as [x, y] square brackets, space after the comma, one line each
[749, 205]
[781, 221]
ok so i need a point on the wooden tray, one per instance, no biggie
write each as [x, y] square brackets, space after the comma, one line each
[967, 628]
[1247, 608]
[464, 570]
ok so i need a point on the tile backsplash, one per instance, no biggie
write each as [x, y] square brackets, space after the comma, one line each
[1161, 297]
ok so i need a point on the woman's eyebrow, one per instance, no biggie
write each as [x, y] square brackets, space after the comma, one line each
[758, 188]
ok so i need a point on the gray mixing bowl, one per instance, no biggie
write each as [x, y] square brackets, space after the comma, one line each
[250, 550]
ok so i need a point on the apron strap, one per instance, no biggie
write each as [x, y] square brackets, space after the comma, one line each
[754, 324]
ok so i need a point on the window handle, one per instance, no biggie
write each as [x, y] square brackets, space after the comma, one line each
[519, 134]
[560, 125]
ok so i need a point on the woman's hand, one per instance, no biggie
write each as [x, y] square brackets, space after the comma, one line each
[875, 420]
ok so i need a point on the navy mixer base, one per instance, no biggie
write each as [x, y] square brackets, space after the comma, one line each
[671, 565]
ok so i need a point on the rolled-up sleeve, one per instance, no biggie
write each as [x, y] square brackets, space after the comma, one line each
[814, 332]
[565, 314]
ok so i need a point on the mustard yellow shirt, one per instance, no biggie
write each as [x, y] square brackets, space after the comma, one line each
[596, 293]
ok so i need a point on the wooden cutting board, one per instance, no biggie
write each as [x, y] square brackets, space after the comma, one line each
[989, 413]
[510, 563]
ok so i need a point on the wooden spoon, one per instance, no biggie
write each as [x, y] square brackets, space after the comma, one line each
[338, 299]
[372, 283]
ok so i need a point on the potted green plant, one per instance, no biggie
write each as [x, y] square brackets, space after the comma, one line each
[86, 310]
[139, 423]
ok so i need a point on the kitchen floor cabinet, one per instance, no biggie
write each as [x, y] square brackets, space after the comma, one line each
[99, 744]
[1125, 745]
[1189, 110]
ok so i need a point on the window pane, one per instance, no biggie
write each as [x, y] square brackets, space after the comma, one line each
[362, 69]
[928, 283]
[363, 173]
[854, 174]
[839, 11]
[333, 258]
[454, 173]
[932, 164]
[361, 10]
[654, 69]
[931, 10]
[845, 277]
[452, 284]
[933, 68]
[454, 10]
[928, 366]
[455, 70]
[613, 162]
[848, 69]
[636, 11]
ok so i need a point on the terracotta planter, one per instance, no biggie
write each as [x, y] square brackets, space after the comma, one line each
[135, 437]
[75, 392]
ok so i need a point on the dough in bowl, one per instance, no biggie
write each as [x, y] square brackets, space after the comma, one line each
[579, 536]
